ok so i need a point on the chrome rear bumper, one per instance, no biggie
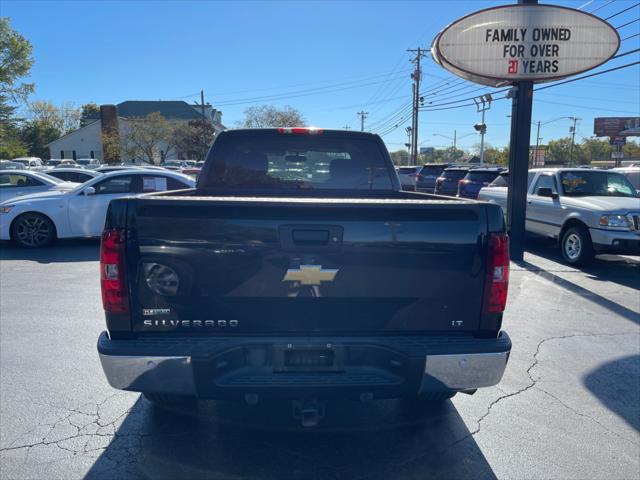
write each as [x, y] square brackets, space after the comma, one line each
[464, 371]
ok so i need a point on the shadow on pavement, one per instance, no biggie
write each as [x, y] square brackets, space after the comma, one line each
[606, 268]
[75, 250]
[616, 385]
[234, 441]
[604, 302]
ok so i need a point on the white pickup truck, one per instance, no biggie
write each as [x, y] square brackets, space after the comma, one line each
[589, 211]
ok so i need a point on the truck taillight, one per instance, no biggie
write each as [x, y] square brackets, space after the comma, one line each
[497, 276]
[300, 131]
[113, 279]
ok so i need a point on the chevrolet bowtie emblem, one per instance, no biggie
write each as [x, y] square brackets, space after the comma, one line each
[310, 275]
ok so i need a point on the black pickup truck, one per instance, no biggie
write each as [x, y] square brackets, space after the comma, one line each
[298, 269]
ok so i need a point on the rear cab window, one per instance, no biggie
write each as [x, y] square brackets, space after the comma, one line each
[269, 161]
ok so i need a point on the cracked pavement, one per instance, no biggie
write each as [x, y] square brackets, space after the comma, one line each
[568, 406]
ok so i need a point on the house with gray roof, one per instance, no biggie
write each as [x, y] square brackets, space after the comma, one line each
[86, 142]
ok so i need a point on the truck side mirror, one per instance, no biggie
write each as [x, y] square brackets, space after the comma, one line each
[546, 192]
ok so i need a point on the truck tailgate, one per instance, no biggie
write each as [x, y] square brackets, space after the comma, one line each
[305, 266]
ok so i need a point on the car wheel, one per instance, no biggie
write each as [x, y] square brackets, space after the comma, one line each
[576, 246]
[33, 230]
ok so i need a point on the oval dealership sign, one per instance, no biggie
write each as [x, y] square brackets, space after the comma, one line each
[540, 43]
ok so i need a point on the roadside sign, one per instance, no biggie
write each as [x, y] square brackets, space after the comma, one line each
[617, 155]
[616, 126]
[617, 140]
[514, 43]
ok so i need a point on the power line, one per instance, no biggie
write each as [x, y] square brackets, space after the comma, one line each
[622, 11]
[626, 53]
[602, 6]
[628, 23]
[630, 36]
[333, 82]
[295, 94]
[575, 79]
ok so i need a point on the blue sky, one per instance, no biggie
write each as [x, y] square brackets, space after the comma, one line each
[327, 59]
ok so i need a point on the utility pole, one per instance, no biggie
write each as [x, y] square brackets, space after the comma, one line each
[363, 115]
[573, 139]
[204, 124]
[416, 76]
[535, 153]
[521, 106]
[455, 137]
[483, 103]
[347, 127]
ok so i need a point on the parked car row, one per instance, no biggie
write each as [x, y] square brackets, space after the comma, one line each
[447, 179]
[48, 208]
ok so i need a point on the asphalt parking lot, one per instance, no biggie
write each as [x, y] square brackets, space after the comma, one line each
[568, 406]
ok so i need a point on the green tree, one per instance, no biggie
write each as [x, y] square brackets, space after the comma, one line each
[631, 150]
[89, 112]
[594, 149]
[15, 62]
[268, 116]
[400, 157]
[560, 151]
[194, 138]
[64, 118]
[36, 135]
[149, 138]
[11, 145]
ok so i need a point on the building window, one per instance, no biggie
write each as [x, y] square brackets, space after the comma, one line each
[92, 155]
[61, 153]
[74, 154]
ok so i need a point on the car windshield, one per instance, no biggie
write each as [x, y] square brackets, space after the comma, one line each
[585, 183]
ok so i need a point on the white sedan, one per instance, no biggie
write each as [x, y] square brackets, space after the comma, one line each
[36, 220]
[17, 183]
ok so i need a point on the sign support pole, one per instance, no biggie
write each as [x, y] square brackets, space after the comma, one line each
[521, 108]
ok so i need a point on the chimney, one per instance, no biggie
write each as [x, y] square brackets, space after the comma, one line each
[110, 134]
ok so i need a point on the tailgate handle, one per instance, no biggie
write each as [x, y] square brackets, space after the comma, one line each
[310, 237]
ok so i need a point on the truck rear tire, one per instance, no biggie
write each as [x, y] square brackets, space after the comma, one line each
[172, 403]
[417, 406]
[576, 246]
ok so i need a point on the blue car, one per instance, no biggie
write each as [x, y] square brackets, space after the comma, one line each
[447, 182]
[475, 179]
